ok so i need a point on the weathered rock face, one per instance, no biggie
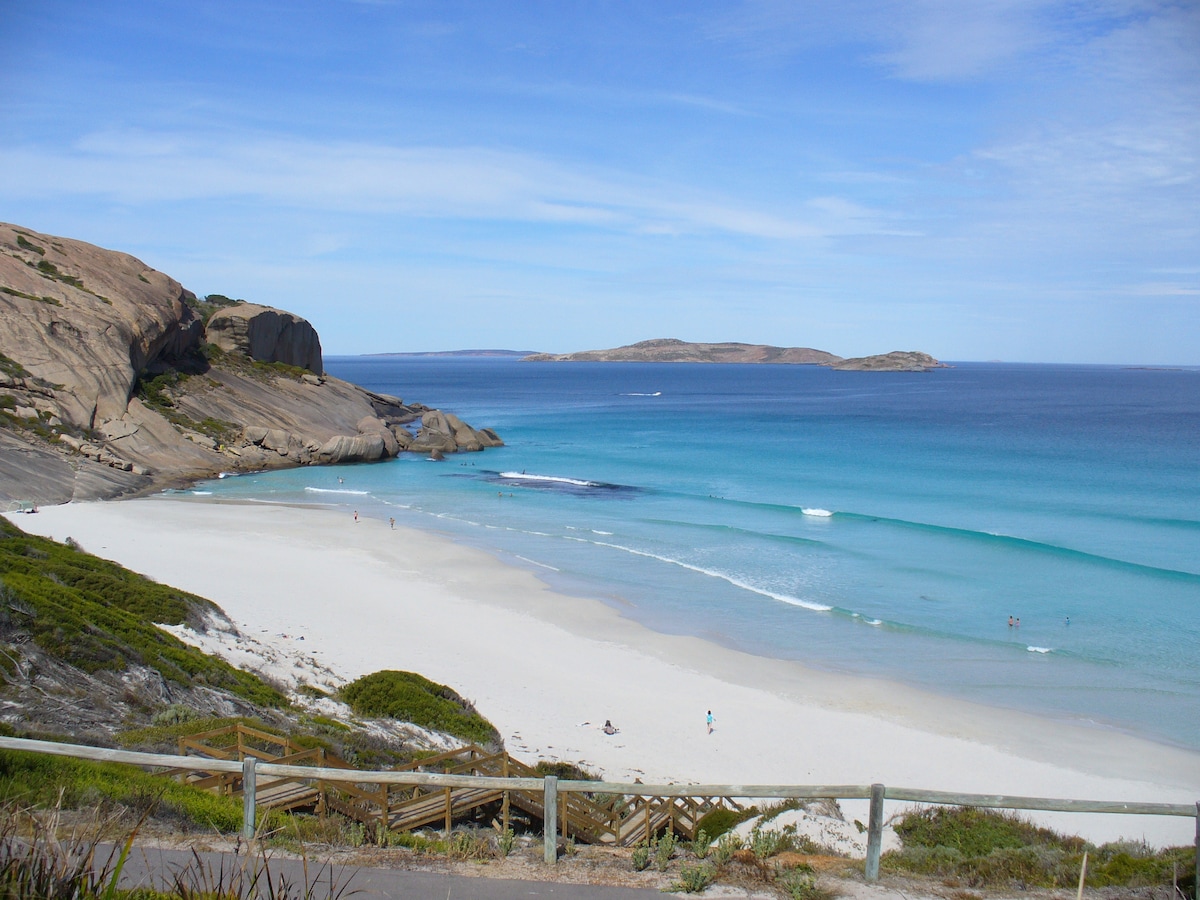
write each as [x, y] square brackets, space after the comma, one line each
[106, 386]
[88, 320]
[267, 335]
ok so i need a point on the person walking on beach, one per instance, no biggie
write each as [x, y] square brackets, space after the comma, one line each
[709, 721]
[392, 522]
[356, 515]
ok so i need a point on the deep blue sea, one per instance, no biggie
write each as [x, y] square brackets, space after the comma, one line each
[886, 524]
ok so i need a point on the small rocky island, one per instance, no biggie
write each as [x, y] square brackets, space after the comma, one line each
[115, 379]
[673, 350]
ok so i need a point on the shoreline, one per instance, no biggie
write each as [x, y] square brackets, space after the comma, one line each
[548, 669]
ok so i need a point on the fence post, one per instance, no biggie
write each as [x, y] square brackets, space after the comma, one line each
[875, 833]
[249, 785]
[1196, 883]
[550, 823]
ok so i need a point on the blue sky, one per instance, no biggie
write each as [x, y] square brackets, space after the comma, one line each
[980, 179]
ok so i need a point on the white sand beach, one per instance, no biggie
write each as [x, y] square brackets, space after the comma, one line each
[549, 669]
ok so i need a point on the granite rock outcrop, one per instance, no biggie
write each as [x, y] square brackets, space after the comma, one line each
[267, 335]
[115, 379]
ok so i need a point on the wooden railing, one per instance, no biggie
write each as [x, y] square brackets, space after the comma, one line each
[555, 794]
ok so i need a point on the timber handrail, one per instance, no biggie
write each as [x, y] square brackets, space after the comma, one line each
[550, 787]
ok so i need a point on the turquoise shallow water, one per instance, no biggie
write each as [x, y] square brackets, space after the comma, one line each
[878, 523]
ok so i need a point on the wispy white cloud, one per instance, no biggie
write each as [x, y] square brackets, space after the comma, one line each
[1165, 289]
[934, 40]
[951, 40]
[434, 182]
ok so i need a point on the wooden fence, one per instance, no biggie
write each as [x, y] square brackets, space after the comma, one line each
[551, 788]
[591, 819]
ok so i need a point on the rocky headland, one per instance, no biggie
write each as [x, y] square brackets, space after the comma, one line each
[674, 350]
[115, 379]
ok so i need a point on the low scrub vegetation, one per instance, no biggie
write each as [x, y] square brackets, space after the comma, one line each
[716, 823]
[241, 364]
[96, 615]
[25, 244]
[982, 848]
[209, 305]
[12, 368]
[121, 792]
[13, 292]
[413, 698]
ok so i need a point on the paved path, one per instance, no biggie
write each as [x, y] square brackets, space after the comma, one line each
[158, 867]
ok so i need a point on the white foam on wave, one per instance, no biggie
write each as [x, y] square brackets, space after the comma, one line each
[637, 394]
[724, 576]
[317, 490]
[559, 479]
[818, 513]
[1040, 649]
[202, 493]
[534, 562]
[605, 533]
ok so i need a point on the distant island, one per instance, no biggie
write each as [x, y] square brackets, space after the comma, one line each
[673, 350]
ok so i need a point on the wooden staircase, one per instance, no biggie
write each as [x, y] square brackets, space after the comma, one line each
[619, 820]
[236, 742]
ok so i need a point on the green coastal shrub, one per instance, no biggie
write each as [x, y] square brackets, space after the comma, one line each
[987, 848]
[97, 615]
[693, 880]
[12, 368]
[30, 245]
[977, 832]
[721, 820]
[410, 697]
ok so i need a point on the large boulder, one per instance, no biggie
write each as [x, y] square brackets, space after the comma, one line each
[375, 425]
[345, 448]
[267, 335]
[449, 433]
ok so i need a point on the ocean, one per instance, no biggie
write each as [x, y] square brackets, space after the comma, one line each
[882, 524]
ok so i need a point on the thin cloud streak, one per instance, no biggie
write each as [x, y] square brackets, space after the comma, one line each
[435, 182]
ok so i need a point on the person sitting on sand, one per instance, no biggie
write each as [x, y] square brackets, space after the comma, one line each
[608, 727]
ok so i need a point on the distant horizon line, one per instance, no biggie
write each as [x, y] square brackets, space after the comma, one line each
[498, 353]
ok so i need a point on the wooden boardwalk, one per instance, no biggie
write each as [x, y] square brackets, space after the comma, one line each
[614, 819]
[236, 742]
